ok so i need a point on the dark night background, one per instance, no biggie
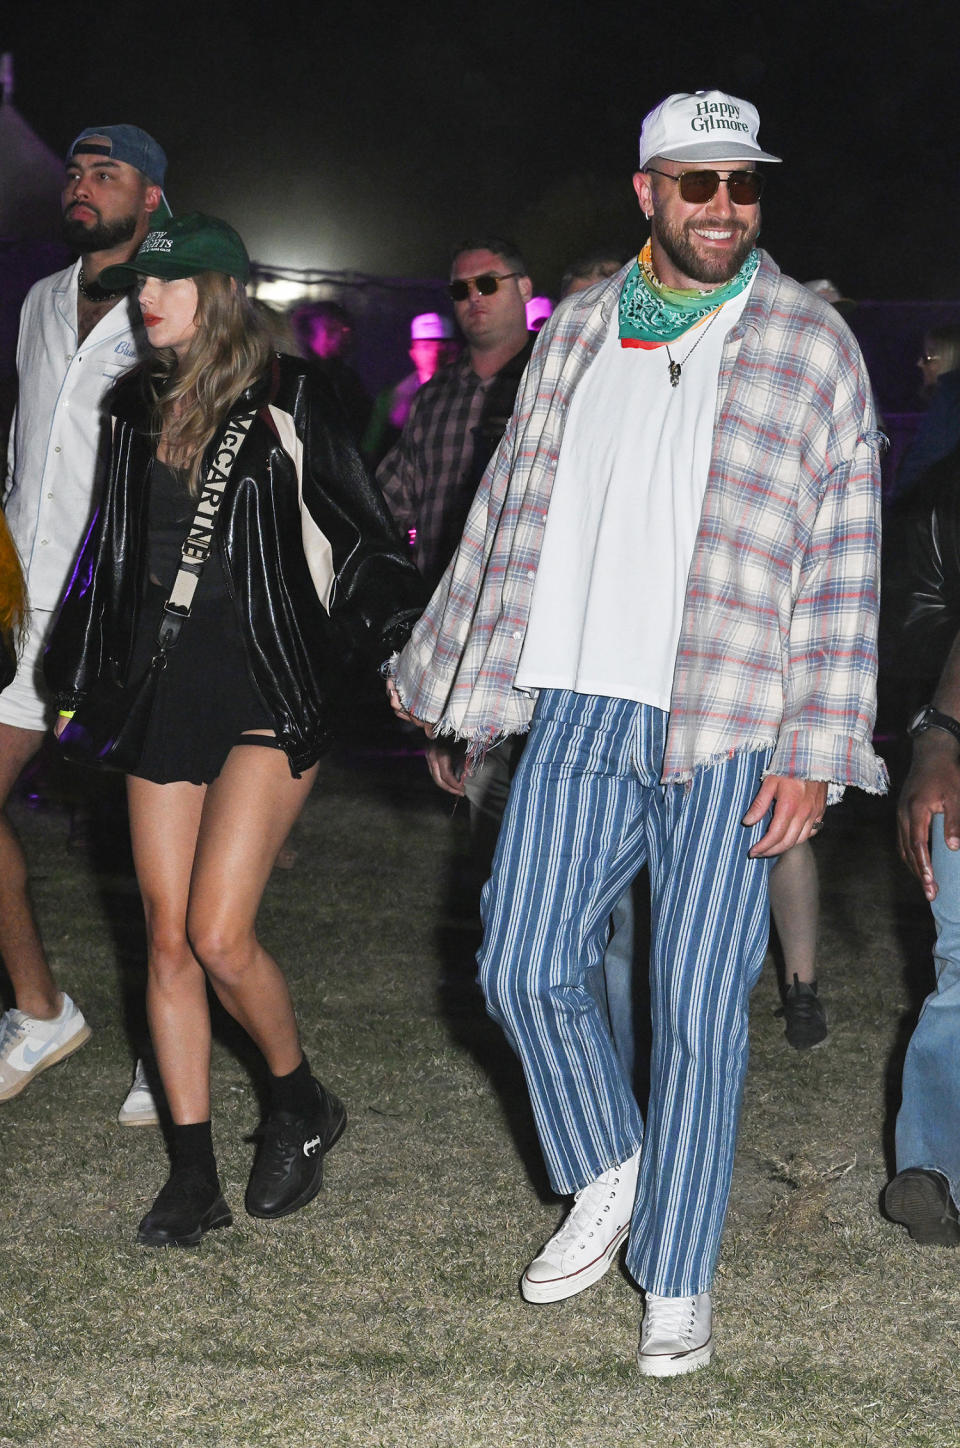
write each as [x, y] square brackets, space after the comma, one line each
[373, 137]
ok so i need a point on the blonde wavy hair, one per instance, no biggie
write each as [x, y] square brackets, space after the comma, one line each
[13, 592]
[191, 396]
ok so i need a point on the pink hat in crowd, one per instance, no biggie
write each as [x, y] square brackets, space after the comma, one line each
[538, 310]
[430, 327]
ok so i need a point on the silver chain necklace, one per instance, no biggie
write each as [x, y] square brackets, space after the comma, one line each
[676, 368]
[94, 292]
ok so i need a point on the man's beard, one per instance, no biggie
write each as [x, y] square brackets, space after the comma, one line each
[707, 269]
[103, 236]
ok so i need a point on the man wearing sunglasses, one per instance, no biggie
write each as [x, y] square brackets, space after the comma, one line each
[429, 479]
[669, 576]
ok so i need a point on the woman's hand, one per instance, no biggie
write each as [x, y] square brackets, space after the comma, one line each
[393, 697]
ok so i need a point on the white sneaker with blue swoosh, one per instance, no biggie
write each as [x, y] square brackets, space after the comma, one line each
[28, 1045]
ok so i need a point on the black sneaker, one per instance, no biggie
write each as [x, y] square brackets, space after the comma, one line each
[920, 1200]
[189, 1205]
[804, 1016]
[288, 1168]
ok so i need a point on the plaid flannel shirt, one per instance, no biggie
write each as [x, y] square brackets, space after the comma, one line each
[424, 476]
[778, 641]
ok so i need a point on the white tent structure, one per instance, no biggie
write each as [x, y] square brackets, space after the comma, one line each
[31, 176]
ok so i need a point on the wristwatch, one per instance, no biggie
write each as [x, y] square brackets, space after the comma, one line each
[931, 718]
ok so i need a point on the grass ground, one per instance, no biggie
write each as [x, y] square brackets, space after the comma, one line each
[387, 1313]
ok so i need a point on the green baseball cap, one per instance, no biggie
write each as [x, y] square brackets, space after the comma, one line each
[182, 247]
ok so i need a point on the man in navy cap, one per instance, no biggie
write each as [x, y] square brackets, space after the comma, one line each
[75, 339]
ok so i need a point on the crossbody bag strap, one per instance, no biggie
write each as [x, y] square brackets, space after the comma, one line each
[198, 542]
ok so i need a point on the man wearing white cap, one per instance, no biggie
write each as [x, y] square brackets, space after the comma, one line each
[669, 576]
[75, 341]
[431, 347]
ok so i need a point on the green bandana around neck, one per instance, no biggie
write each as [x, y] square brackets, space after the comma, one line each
[652, 313]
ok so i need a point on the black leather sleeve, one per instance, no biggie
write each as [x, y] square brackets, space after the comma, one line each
[378, 594]
[93, 635]
[923, 543]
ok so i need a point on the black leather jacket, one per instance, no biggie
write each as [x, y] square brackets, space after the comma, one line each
[922, 592]
[299, 653]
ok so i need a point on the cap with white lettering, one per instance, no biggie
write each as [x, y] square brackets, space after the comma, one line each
[183, 247]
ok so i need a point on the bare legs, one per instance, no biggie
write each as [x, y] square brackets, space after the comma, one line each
[34, 987]
[795, 905]
[203, 856]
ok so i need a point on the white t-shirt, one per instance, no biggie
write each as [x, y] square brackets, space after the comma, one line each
[623, 518]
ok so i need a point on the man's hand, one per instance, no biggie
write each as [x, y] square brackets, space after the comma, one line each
[444, 759]
[59, 724]
[798, 806]
[445, 762]
[931, 788]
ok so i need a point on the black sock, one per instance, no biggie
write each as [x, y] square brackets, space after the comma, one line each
[192, 1149]
[295, 1092]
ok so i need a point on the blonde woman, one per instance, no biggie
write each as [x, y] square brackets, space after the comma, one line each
[13, 605]
[305, 578]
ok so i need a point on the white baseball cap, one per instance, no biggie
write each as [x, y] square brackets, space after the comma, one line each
[825, 288]
[702, 126]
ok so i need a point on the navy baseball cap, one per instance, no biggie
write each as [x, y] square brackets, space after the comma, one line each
[135, 147]
[123, 143]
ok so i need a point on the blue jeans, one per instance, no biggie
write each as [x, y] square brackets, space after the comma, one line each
[928, 1124]
[586, 811]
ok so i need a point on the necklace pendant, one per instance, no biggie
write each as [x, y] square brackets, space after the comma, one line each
[674, 374]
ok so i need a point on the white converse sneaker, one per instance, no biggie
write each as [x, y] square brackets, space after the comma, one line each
[585, 1246]
[139, 1107]
[29, 1045]
[676, 1336]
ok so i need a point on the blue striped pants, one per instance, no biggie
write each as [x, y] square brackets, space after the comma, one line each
[586, 810]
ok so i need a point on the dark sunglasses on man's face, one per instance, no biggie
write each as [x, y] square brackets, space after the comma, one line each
[485, 285]
[743, 187]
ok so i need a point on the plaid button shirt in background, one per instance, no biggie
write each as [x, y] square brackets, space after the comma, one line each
[431, 477]
[426, 478]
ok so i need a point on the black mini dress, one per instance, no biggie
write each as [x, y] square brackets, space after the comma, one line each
[206, 697]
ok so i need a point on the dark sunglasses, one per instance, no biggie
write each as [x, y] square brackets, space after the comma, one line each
[485, 285]
[743, 187]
